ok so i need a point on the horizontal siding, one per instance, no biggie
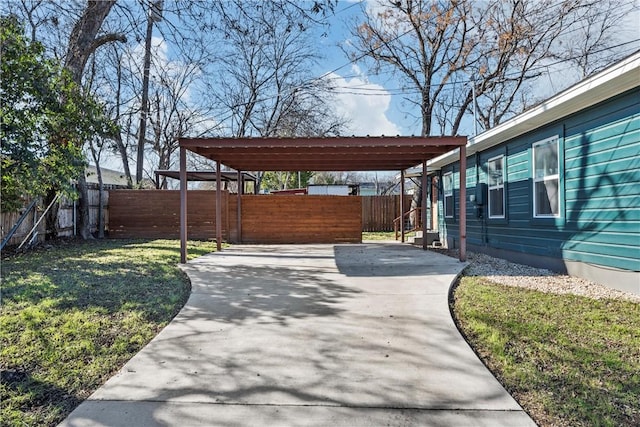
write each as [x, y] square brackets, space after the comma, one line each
[606, 215]
[600, 169]
[617, 249]
[618, 145]
[603, 115]
[623, 189]
[620, 178]
[602, 185]
[602, 202]
[624, 262]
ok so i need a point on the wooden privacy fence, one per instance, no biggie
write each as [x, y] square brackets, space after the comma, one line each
[156, 214]
[301, 219]
[265, 219]
[378, 212]
[66, 218]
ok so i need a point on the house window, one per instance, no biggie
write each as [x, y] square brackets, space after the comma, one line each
[496, 187]
[546, 180]
[447, 184]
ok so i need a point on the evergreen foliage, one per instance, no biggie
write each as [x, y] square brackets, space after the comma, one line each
[45, 120]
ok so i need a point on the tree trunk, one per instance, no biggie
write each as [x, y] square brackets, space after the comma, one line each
[84, 224]
[144, 106]
[100, 202]
[51, 221]
[83, 41]
[122, 150]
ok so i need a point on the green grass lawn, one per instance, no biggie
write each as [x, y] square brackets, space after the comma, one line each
[378, 235]
[568, 360]
[74, 313]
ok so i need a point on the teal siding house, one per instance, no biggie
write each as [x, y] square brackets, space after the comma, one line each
[557, 186]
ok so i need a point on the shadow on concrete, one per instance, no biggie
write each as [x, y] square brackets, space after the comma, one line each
[238, 293]
[387, 259]
[271, 340]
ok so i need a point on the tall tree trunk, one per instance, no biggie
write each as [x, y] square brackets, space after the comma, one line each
[82, 43]
[51, 220]
[84, 223]
[100, 203]
[122, 150]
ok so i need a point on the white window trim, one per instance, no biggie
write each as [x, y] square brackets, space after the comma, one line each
[555, 177]
[447, 193]
[496, 187]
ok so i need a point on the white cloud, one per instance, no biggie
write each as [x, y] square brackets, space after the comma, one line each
[364, 104]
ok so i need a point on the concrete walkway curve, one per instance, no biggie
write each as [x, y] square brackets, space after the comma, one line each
[309, 335]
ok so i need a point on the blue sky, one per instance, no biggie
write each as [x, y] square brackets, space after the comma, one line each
[373, 110]
[365, 100]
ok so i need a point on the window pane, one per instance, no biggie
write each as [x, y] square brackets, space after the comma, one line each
[546, 159]
[495, 172]
[447, 182]
[546, 197]
[448, 206]
[496, 202]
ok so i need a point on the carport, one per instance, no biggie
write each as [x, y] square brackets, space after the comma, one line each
[380, 153]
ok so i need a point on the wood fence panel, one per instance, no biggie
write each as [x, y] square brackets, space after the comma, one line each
[156, 214]
[301, 219]
[9, 219]
[66, 214]
[378, 212]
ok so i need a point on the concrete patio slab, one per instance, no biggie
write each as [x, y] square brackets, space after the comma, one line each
[308, 335]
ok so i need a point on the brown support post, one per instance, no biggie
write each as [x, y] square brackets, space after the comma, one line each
[218, 207]
[402, 206]
[183, 205]
[463, 203]
[240, 181]
[423, 211]
[434, 203]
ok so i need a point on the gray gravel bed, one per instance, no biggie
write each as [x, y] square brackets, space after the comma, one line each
[511, 274]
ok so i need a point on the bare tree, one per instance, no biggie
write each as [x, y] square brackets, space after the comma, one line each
[120, 145]
[448, 53]
[265, 65]
[602, 25]
[175, 113]
[459, 55]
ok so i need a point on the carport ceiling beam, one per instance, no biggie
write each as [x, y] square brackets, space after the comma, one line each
[333, 151]
[321, 166]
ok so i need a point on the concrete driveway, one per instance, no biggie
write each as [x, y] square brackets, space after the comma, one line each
[309, 335]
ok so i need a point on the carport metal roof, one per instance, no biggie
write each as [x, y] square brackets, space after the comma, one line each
[319, 154]
[323, 153]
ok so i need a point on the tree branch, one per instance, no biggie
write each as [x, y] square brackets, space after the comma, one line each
[107, 38]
